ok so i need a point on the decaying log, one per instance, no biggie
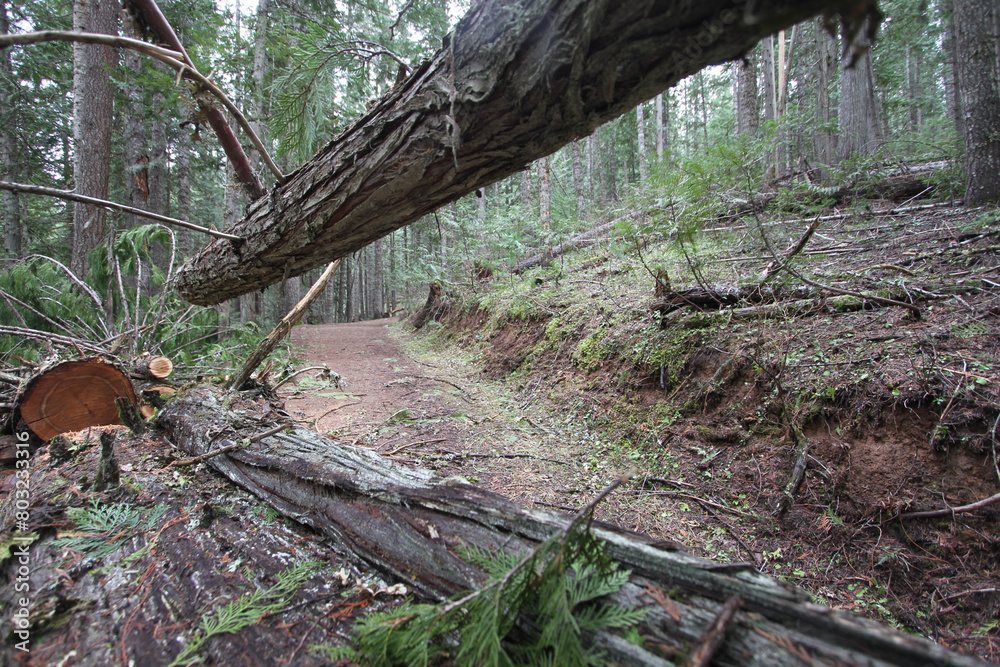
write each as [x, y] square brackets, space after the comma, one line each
[73, 395]
[410, 524]
[581, 241]
[513, 83]
[432, 308]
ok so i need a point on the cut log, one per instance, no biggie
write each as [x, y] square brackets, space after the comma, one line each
[152, 367]
[512, 84]
[411, 524]
[73, 395]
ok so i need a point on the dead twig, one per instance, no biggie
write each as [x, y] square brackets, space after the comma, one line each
[948, 511]
[228, 448]
[710, 642]
[414, 444]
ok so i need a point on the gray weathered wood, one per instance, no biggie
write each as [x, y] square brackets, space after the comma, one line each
[513, 83]
[409, 523]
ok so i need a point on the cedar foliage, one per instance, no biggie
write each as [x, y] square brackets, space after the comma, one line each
[536, 609]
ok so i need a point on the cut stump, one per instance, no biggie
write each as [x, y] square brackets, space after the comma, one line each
[73, 395]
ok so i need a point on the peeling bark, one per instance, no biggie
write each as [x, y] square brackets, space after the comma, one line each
[471, 116]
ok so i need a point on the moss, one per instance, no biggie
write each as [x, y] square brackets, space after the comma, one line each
[589, 352]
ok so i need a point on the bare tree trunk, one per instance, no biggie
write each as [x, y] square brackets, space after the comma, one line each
[92, 113]
[579, 186]
[952, 79]
[770, 94]
[659, 127]
[748, 105]
[526, 189]
[980, 100]
[640, 116]
[182, 173]
[378, 280]
[857, 117]
[11, 206]
[825, 57]
[545, 198]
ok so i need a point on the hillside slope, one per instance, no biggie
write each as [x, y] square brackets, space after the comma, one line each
[722, 387]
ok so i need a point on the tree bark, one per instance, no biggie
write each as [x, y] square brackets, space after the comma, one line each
[579, 185]
[980, 100]
[748, 106]
[408, 523]
[10, 202]
[659, 127]
[857, 117]
[92, 113]
[472, 116]
[826, 57]
[640, 118]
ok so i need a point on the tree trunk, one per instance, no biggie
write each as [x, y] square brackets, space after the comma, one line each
[659, 127]
[408, 523]
[980, 100]
[545, 199]
[952, 80]
[857, 117]
[579, 186]
[429, 141]
[10, 204]
[640, 116]
[826, 56]
[748, 105]
[526, 189]
[770, 95]
[92, 114]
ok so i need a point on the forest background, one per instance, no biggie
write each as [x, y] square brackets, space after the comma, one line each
[793, 112]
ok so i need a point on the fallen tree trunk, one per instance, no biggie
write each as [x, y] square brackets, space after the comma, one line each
[581, 241]
[409, 524]
[552, 72]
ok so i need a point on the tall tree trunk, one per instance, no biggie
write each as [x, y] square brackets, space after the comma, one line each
[659, 127]
[770, 95]
[579, 186]
[93, 104]
[11, 205]
[857, 117]
[378, 280]
[182, 172]
[952, 80]
[526, 189]
[258, 97]
[980, 100]
[640, 116]
[747, 103]
[825, 57]
[545, 199]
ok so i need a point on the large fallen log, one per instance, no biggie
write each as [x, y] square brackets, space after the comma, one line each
[409, 524]
[513, 83]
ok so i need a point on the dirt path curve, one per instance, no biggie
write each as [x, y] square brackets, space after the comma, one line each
[433, 412]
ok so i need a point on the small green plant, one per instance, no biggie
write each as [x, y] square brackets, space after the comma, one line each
[110, 526]
[550, 597]
[245, 611]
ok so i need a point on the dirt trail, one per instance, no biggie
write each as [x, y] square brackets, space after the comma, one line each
[439, 413]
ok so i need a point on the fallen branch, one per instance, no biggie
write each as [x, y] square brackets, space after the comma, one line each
[948, 511]
[414, 444]
[707, 646]
[228, 448]
[72, 196]
[282, 328]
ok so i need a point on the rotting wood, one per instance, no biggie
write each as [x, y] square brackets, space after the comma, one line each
[282, 328]
[409, 524]
[708, 645]
[580, 241]
[499, 95]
